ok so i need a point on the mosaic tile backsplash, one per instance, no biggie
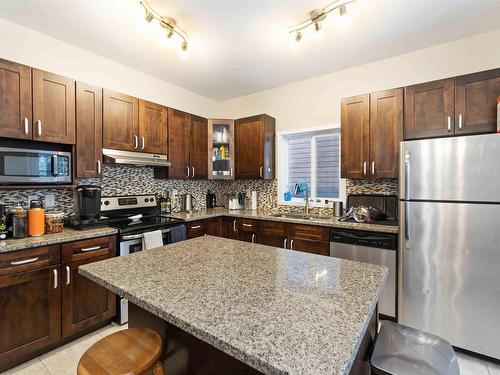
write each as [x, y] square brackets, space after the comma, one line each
[125, 180]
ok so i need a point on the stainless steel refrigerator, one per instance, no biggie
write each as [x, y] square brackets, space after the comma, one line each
[449, 253]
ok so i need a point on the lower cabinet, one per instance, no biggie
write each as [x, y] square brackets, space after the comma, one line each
[247, 230]
[196, 229]
[215, 227]
[230, 227]
[42, 301]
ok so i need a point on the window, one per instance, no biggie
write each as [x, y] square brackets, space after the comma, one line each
[310, 164]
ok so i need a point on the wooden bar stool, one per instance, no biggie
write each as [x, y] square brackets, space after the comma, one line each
[132, 351]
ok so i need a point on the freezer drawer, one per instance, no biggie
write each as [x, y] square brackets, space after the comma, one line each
[381, 257]
[450, 272]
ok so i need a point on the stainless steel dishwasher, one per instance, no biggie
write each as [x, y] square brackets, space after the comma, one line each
[370, 247]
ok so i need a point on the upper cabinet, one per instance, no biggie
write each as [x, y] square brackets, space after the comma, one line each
[198, 147]
[370, 134]
[15, 100]
[121, 121]
[152, 127]
[178, 145]
[36, 105]
[254, 147]
[88, 130]
[221, 149]
[453, 106]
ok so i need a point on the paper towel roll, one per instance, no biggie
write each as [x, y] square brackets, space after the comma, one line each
[254, 200]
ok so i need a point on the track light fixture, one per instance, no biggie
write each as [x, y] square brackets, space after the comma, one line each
[169, 24]
[317, 16]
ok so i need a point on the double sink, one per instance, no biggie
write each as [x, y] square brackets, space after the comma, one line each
[301, 216]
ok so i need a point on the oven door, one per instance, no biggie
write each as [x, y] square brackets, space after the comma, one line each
[132, 243]
[34, 166]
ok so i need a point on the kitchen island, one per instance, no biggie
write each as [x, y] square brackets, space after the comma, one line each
[230, 307]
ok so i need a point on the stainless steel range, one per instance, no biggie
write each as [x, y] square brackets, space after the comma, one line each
[134, 215]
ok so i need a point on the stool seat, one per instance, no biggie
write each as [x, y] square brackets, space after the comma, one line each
[132, 351]
[401, 350]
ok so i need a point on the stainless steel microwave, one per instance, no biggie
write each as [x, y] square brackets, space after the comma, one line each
[26, 166]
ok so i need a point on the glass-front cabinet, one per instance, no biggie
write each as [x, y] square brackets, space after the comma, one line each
[221, 149]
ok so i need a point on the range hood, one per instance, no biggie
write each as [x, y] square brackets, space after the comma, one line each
[134, 158]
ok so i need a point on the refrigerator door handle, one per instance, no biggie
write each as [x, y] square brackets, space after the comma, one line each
[407, 175]
[406, 225]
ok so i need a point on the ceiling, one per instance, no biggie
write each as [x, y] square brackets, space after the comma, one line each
[238, 47]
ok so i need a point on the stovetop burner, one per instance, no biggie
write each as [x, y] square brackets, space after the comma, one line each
[143, 223]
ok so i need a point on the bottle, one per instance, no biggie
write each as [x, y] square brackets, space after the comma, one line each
[36, 219]
[498, 114]
[3, 223]
[168, 204]
[222, 152]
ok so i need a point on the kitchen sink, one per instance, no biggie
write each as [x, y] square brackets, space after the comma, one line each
[301, 216]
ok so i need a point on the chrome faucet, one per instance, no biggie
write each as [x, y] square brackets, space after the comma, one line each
[306, 204]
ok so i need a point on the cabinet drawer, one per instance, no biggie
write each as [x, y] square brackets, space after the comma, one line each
[92, 248]
[313, 247]
[29, 259]
[308, 232]
[196, 228]
[248, 225]
[272, 228]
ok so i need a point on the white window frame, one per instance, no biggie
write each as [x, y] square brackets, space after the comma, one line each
[282, 170]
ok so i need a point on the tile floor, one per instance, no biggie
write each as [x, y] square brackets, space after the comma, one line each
[63, 360]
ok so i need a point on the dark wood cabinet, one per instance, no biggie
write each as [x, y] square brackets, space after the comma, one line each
[254, 147]
[355, 136]
[15, 100]
[198, 147]
[53, 108]
[271, 233]
[429, 109]
[215, 227]
[230, 225]
[386, 126]
[313, 247]
[196, 228]
[85, 303]
[152, 127]
[120, 121]
[309, 238]
[476, 102]
[178, 144]
[247, 230]
[88, 130]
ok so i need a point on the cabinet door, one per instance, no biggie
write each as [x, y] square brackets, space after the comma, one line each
[198, 154]
[30, 313]
[270, 240]
[386, 124]
[313, 247]
[308, 232]
[15, 100]
[120, 121]
[152, 127]
[88, 130]
[249, 147]
[178, 144]
[269, 147]
[476, 102]
[196, 228]
[247, 237]
[247, 229]
[355, 133]
[429, 109]
[230, 227]
[53, 108]
[215, 227]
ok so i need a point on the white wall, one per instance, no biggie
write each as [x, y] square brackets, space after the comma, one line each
[316, 102]
[38, 50]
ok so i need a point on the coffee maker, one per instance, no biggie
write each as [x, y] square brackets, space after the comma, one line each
[88, 202]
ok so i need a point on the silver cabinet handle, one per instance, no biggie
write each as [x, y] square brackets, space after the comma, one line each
[196, 227]
[231, 172]
[24, 261]
[284, 243]
[291, 245]
[253, 238]
[364, 168]
[234, 225]
[188, 170]
[192, 175]
[247, 225]
[136, 141]
[260, 171]
[90, 248]
[143, 143]
[460, 121]
[98, 167]
[56, 282]
[68, 275]
[39, 127]
[449, 123]
[373, 168]
[25, 125]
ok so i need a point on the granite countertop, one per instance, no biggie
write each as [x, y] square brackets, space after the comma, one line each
[263, 215]
[67, 235]
[279, 311]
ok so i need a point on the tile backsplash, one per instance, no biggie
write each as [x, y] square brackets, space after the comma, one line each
[126, 180]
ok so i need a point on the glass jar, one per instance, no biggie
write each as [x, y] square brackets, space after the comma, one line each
[54, 222]
[19, 222]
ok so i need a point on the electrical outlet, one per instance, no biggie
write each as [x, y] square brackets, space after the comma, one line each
[174, 192]
[49, 200]
[33, 197]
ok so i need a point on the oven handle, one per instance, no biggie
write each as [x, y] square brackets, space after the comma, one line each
[137, 236]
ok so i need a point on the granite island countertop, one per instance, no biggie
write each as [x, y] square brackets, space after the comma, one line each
[264, 215]
[67, 235]
[279, 311]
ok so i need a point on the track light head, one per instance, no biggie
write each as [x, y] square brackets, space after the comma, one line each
[170, 32]
[298, 36]
[149, 16]
[342, 10]
[184, 50]
[317, 26]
